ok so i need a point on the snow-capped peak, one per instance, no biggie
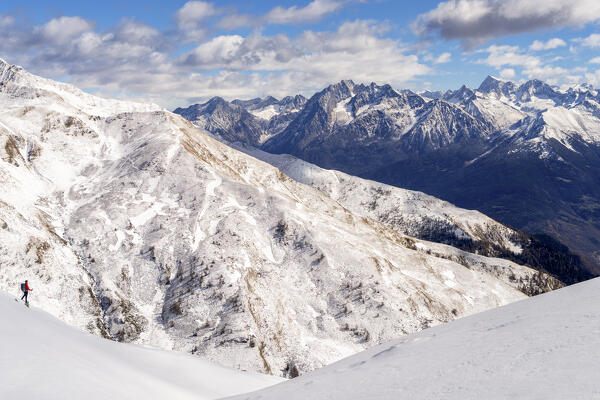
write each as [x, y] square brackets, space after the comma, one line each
[21, 83]
[497, 86]
[489, 83]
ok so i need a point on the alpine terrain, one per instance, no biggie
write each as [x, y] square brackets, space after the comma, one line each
[527, 155]
[135, 225]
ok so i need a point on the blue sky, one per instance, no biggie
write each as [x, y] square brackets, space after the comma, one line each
[177, 52]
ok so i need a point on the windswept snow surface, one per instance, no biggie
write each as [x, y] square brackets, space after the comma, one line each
[546, 347]
[42, 358]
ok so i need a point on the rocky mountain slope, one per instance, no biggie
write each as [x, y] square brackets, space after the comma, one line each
[527, 155]
[257, 119]
[426, 217]
[540, 348]
[131, 223]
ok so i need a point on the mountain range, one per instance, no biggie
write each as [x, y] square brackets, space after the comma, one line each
[525, 154]
[135, 225]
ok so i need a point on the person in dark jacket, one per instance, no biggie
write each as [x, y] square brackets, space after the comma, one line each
[26, 290]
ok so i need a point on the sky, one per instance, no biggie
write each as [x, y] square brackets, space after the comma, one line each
[175, 53]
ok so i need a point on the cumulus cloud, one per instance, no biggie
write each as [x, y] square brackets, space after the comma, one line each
[551, 74]
[233, 21]
[6, 20]
[63, 29]
[112, 60]
[134, 59]
[591, 41]
[219, 52]
[499, 56]
[130, 31]
[194, 12]
[191, 19]
[532, 67]
[595, 60]
[474, 22]
[593, 77]
[443, 58]
[313, 11]
[507, 73]
[549, 45]
[355, 50]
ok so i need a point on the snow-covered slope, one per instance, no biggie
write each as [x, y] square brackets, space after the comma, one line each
[18, 83]
[42, 358]
[546, 347]
[270, 107]
[137, 226]
[409, 212]
[251, 121]
[227, 121]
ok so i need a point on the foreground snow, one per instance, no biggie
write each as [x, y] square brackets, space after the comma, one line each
[546, 347]
[46, 359]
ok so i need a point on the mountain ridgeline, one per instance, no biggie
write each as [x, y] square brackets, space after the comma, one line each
[527, 155]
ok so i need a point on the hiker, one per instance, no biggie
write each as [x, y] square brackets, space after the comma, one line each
[25, 288]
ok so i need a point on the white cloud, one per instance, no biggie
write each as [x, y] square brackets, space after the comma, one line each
[233, 21]
[313, 11]
[218, 52]
[507, 73]
[550, 44]
[532, 66]
[591, 41]
[593, 77]
[443, 58]
[474, 22]
[191, 20]
[355, 51]
[499, 56]
[63, 29]
[133, 59]
[130, 31]
[193, 12]
[6, 20]
[550, 74]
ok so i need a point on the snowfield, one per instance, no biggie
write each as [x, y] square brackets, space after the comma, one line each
[546, 347]
[42, 358]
